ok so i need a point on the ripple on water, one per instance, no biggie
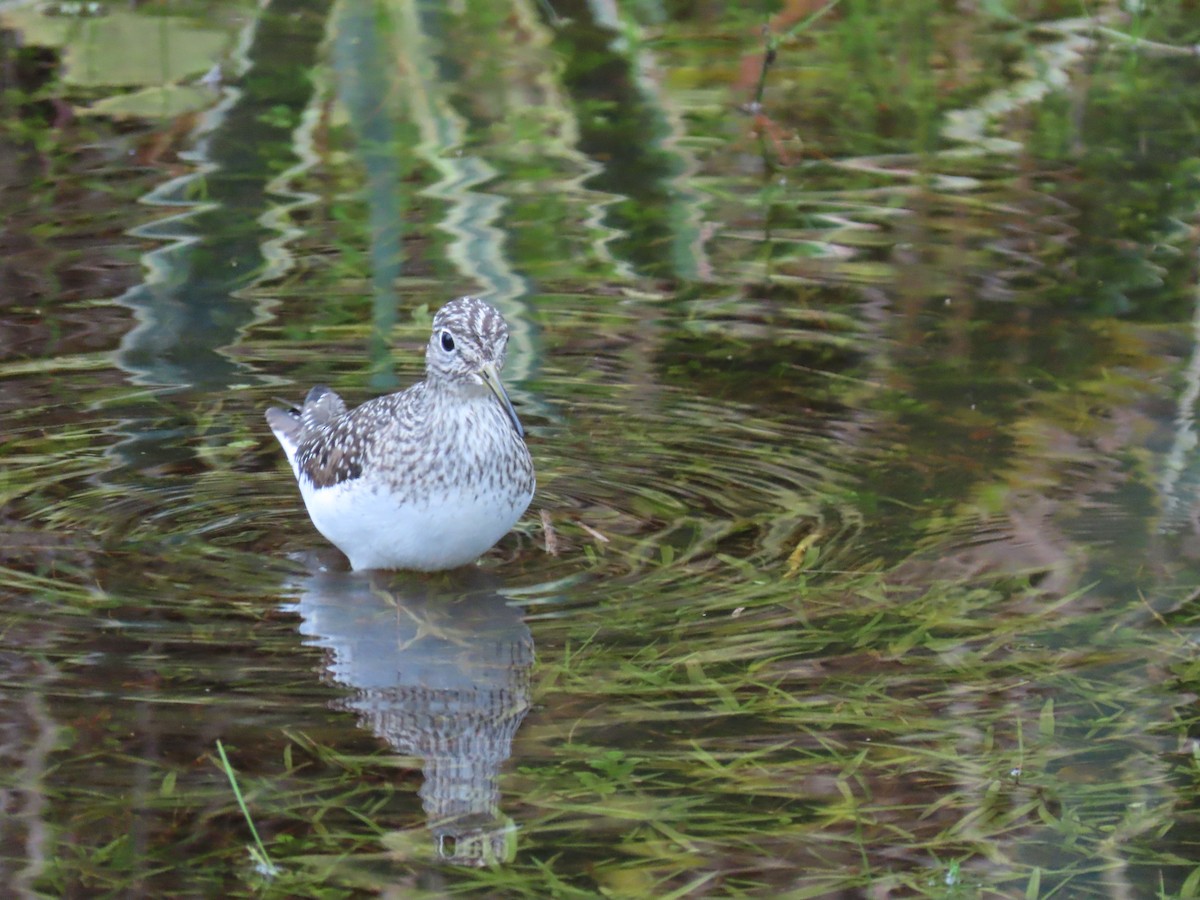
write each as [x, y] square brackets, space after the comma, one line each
[684, 479]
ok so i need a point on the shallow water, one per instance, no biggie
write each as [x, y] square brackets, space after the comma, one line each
[864, 553]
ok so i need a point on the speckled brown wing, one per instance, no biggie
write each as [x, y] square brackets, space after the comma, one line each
[335, 451]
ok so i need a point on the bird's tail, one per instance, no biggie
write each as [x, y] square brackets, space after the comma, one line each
[293, 425]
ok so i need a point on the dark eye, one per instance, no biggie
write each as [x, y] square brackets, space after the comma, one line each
[447, 341]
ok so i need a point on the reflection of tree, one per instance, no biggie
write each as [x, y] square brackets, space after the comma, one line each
[191, 307]
[63, 241]
[439, 669]
[28, 734]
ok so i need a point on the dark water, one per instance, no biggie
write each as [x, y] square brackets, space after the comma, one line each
[864, 555]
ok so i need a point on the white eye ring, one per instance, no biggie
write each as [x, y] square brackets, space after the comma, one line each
[447, 342]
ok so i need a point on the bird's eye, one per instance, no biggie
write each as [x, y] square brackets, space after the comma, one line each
[447, 341]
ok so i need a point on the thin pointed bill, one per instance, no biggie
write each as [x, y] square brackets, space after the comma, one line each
[492, 379]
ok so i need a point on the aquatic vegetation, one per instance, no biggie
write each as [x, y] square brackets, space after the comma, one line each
[863, 558]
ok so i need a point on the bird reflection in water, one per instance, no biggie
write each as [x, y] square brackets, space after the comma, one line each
[439, 667]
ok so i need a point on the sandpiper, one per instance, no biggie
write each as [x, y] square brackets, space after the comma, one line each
[428, 478]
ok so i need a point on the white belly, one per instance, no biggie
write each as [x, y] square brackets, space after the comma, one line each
[376, 532]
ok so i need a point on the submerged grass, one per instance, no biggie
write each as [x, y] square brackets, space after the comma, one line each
[861, 737]
[734, 694]
[258, 852]
[645, 772]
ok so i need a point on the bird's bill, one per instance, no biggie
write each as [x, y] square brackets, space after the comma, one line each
[492, 379]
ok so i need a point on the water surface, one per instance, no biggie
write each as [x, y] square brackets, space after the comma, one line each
[864, 553]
